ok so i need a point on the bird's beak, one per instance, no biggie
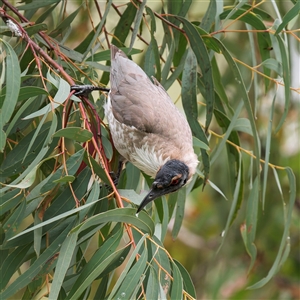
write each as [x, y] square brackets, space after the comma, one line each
[152, 195]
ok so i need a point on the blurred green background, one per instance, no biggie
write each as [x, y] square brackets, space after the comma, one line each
[223, 272]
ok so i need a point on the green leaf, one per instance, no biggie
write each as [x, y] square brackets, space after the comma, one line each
[13, 81]
[285, 240]
[176, 74]
[179, 215]
[127, 281]
[189, 102]
[33, 29]
[232, 152]
[263, 36]
[172, 201]
[28, 180]
[187, 281]
[59, 98]
[161, 218]
[234, 205]
[177, 284]
[248, 230]
[10, 200]
[274, 65]
[27, 177]
[72, 165]
[209, 17]
[16, 123]
[24, 93]
[137, 22]
[45, 259]
[123, 27]
[39, 127]
[96, 167]
[221, 97]
[133, 176]
[286, 80]
[99, 29]
[153, 20]
[199, 144]
[64, 259]
[166, 69]
[37, 4]
[242, 89]
[256, 10]
[152, 63]
[217, 189]
[267, 152]
[99, 268]
[132, 195]
[228, 132]
[102, 288]
[152, 284]
[46, 13]
[200, 51]
[12, 224]
[163, 265]
[108, 149]
[74, 133]
[126, 215]
[94, 195]
[242, 125]
[65, 24]
[65, 179]
[291, 14]
[277, 181]
[134, 277]
[12, 263]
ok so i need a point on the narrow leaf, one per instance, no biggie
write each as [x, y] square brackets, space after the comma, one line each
[200, 51]
[64, 259]
[177, 284]
[291, 14]
[45, 259]
[189, 102]
[179, 214]
[187, 280]
[74, 133]
[127, 268]
[285, 240]
[13, 81]
[152, 285]
[60, 97]
[286, 80]
[133, 278]
[248, 230]
[137, 22]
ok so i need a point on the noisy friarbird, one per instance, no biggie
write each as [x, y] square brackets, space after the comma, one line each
[147, 129]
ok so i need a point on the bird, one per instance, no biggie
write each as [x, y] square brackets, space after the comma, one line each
[147, 129]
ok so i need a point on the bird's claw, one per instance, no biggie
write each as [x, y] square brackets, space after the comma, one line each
[85, 90]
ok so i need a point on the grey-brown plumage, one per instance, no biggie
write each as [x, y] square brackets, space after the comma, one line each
[147, 128]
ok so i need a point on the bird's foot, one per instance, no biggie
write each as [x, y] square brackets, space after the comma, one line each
[115, 176]
[85, 90]
[115, 179]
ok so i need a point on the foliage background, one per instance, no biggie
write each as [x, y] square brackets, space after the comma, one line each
[236, 67]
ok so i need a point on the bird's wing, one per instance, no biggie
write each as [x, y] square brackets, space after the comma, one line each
[138, 102]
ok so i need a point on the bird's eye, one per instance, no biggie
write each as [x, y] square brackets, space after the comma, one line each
[175, 181]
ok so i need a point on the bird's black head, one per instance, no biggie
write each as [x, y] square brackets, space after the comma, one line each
[171, 176]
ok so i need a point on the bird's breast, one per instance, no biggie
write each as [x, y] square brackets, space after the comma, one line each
[144, 150]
